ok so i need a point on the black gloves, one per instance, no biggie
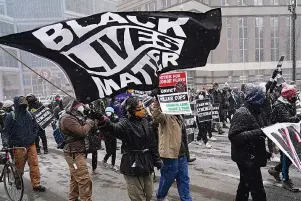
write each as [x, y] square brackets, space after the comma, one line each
[159, 164]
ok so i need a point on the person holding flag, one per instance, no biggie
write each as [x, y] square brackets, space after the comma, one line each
[284, 110]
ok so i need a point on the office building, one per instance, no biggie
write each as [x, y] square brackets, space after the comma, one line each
[20, 15]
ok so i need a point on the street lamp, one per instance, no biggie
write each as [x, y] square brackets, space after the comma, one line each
[292, 9]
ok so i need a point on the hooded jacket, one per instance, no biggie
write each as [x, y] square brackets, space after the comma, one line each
[73, 128]
[247, 138]
[284, 111]
[21, 130]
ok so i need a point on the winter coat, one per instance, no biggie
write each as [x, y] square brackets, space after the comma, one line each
[172, 138]
[217, 96]
[74, 131]
[247, 139]
[232, 102]
[140, 152]
[20, 129]
[56, 112]
[267, 111]
[284, 111]
[110, 140]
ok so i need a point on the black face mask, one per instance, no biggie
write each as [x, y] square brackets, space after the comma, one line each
[293, 100]
[22, 107]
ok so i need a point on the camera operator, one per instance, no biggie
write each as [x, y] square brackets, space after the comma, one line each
[74, 128]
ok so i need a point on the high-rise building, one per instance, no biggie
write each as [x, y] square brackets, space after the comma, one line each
[20, 15]
[255, 33]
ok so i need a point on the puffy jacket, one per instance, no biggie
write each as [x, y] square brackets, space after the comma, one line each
[283, 111]
[247, 138]
[21, 130]
[74, 131]
[140, 151]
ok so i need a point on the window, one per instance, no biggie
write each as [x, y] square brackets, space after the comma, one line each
[2, 9]
[229, 32]
[7, 60]
[258, 2]
[150, 6]
[243, 43]
[6, 28]
[224, 3]
[274, 2]
[288, 39]
[242, 2]
[259, 39]
[274, 38]
[165, 3]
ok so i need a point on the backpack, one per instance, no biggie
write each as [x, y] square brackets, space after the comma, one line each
[59, 138]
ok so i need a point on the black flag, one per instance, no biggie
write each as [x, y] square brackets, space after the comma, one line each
[107, 53]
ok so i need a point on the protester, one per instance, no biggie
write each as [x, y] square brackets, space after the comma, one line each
[218, 98]
[20, 130]
[2, 117]
[57, 110]
[225, 104]
[248, 144]
[204, 128]
[34, 105]
[56, 102]
[140, 152]
[233, 105]
[7, 107]
[284, 110]
[75, 128]
[110, 141]
[173, 149]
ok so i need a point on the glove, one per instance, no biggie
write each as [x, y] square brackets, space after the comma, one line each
[276, 72]
[159, 164]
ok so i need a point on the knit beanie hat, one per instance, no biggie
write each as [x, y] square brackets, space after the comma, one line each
[255, 94]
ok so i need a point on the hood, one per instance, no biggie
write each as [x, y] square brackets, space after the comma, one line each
[68, 103]
[17, 102]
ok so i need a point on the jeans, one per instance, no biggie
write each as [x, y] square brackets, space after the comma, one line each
[174, 169]
[284, 166]
[250, 181]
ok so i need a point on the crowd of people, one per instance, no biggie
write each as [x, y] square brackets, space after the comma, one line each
[151, 139]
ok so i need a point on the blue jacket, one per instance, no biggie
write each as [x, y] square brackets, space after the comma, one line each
[21, 130]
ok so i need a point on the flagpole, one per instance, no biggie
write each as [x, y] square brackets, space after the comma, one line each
[36, 72]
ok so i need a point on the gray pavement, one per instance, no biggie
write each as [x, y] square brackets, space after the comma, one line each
[214, 177]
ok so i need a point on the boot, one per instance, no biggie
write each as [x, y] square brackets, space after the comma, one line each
[288, 185]
[225, 126]
[39, 152]
[221, 132]
[191, 159]
[39, 188]
[275, 174]
[45, 151]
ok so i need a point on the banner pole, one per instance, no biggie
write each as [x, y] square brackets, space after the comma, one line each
[36, 72]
